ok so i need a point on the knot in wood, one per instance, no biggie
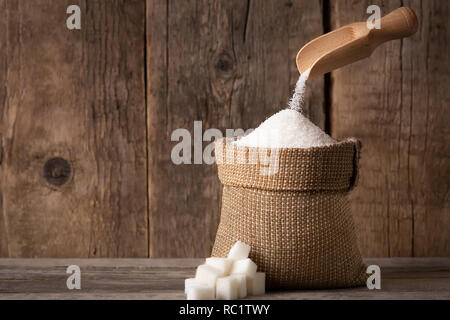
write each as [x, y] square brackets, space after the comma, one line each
[224, 63]
[57, 171]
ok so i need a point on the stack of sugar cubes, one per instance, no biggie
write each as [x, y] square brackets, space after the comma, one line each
[229, 278]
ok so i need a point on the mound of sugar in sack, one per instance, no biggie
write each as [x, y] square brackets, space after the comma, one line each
[288, 128]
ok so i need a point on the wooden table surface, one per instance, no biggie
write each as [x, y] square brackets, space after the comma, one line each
[401, 278]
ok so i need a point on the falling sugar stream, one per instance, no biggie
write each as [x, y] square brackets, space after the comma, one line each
[297, 100]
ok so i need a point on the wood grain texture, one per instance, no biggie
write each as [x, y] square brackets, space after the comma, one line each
[395, 102]
[229, 64]
[401, 278]
[79, 96]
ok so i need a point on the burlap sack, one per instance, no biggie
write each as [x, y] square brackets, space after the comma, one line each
[291, 207]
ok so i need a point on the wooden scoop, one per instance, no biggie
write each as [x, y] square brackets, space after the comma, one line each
[354, 42]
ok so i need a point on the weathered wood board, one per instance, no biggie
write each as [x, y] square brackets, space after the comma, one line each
[85, 154]
[77, 96]
[407, 278]
[229, 64]
[396, 102]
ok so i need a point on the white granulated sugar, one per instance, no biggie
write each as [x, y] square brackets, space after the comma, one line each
[296, 102]
[288, 128]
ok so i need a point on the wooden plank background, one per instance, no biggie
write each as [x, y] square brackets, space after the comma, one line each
[229, 64]
[80, 96]
[107, 98]
[396, 102]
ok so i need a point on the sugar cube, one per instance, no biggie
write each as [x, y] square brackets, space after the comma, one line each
[229, 278]
[245, 266]
[188, 283]
[207, 274]
[223, 264]
[256, 285]
[200, 292]
[239, 251]
[192, 282]
[226, 288]
[241, 284]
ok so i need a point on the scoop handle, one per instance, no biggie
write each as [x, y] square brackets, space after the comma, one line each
[400, 23]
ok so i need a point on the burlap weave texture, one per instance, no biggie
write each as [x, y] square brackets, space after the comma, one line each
[297, 218]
